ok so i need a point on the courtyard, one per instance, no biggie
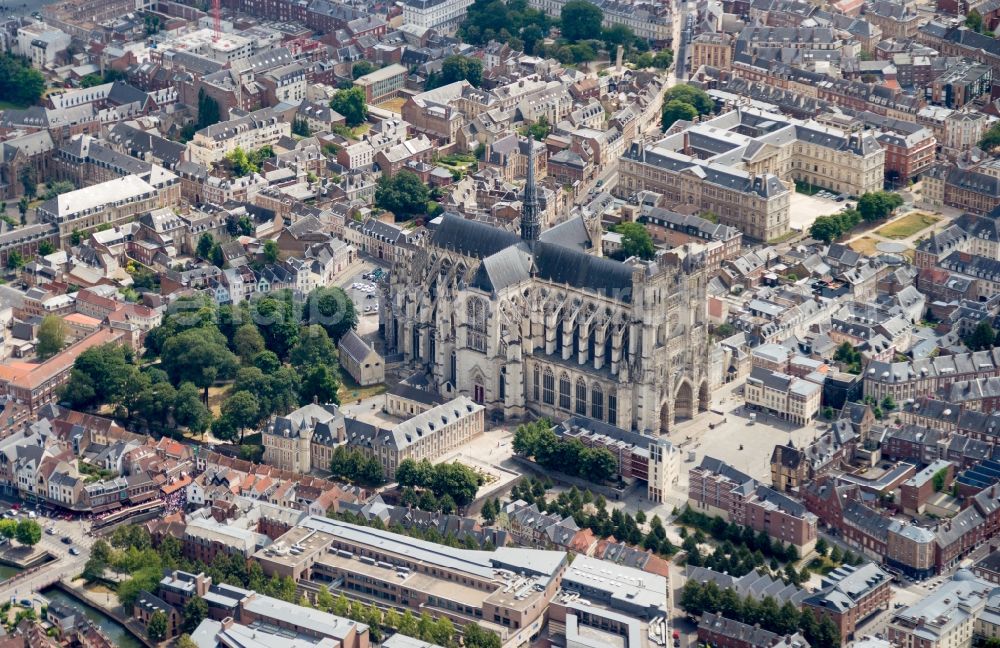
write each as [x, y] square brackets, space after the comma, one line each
[804, 210]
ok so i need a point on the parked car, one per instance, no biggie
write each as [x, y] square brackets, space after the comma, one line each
[73, 551]
[66, 540]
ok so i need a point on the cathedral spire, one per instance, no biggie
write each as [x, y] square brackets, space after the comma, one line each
[531, 227]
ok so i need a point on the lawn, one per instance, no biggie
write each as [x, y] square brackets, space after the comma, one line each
[351, 391]
[865, 245]
[806, 188]
[907, 226]
[393, 105]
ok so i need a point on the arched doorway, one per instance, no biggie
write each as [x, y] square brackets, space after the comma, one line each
[704, 397]
[684, 401]
[666, 420]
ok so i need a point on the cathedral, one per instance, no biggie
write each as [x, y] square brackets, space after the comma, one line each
[541, 324]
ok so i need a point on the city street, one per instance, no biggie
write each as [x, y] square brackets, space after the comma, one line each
[65, 565]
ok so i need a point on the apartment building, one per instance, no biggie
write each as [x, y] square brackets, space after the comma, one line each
[976, 190]
[647, 20]
[506, 590]
[943, 618]
[926, 376]
[443, 16]
[716, 488]
[35, 385]
[241, 617]
[712, 49]
[261, 128]
[850, 594]
[112, 203]
[651, 459]
[794, 399]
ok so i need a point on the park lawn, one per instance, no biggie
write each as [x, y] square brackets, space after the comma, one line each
[216, 395]
[864, 245]
[351, 392]
[907, 226]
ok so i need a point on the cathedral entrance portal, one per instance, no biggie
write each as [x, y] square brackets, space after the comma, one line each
[684, 406]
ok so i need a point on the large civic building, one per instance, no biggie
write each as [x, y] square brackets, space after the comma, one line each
[740, 164]
[540, 324]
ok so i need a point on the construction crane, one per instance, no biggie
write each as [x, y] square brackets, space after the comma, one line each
[216, 20]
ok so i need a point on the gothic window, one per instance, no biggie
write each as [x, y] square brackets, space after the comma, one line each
[597, 403]
[612, 408]
[548, 387]
[564, 397]
[454, 368]
[476, 324]
[534, 384]
[581, 397]
[503, 384]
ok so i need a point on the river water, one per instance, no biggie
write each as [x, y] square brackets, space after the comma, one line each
[115, 631]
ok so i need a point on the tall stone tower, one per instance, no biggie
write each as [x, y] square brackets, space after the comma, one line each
[531, 226]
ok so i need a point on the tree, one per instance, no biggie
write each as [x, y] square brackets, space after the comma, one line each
[98, 376]
[218, 256]
[676, 110]
[195, 610]
[241, 409]
[362, 68]
[198, 355]
[474, 636]
[8, 528]
[247, 342]
[301, 127]
[691, 95]
[991, 139]
[51, 336]
[14, 260]
[331, 308]
[20, 83]
[974, 21]
[457, 68]
[876, 205]
[636, 241]
[982, 338]
[239, 163]
[663, 59]
[616, 35]
[271, 252]
[404, 194]
[208, 110]
[28, 532]
[22, 207]
[276, 320]
[822, 547]
[320, 383]
[157, 626]
[351, 104]
[189, 410]
[580, 20]
[46, 248]
[313, 348]
[324, 600]
[206, 242]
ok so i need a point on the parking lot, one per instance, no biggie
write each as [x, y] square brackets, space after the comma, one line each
[804, 209]
[363, 286]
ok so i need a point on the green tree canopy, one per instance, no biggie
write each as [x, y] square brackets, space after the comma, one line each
[676, 110]
[580, 20]
[28, 532]
[19, 82]
[51, 336]
[351, 104]
[404, 194]
[361, 68]
[691, 95]
[636, 241]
